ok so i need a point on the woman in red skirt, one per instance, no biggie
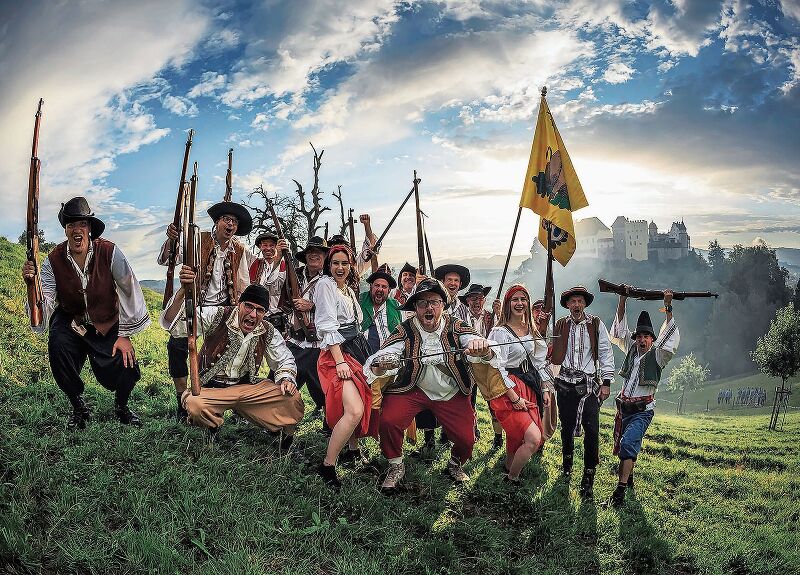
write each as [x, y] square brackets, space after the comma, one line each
[517, 410]
[348, 398]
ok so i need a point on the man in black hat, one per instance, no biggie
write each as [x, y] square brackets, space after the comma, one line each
[224, 274]
[237, 341]
[381, 312]
[481, 320]
[406, 280]
[269, 270]
[305, 348]
[92, 304]
[454, 277]
[641, 373]
[582, 348]
[430, 379]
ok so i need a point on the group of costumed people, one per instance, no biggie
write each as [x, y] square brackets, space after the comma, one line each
[406, 356]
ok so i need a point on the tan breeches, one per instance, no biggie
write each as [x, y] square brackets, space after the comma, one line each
[260, 403]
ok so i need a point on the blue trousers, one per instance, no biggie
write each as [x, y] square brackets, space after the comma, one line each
[634, 427]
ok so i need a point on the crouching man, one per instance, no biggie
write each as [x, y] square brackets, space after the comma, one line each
[237, 340]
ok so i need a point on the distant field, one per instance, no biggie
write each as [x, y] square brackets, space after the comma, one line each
[715, 494]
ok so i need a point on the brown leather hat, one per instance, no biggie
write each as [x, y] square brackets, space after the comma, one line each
[577, 290]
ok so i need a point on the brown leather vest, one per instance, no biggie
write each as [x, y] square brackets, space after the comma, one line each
[562, 332]
[101, 293]
[206, 245]
[218, 349]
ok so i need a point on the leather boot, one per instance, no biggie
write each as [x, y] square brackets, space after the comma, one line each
[126, 416]
[566, 464]
[618, 497]
[328, 475]
[587, 483]
[80, 415]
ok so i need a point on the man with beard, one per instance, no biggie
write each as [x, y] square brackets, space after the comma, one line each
[641, 372]
[473, 314]
[381, 313]
[454, 277]
[237, 341]
[93, 304]
[269, 270]
[430, 379]
[583, 350]
[224, 274]
[305, 348]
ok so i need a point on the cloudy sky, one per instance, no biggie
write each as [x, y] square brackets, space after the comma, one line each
[669, 109]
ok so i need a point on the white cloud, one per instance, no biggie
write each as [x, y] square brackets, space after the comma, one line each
[210, 83]
[180, 106]
[260, 122]
[618, 73]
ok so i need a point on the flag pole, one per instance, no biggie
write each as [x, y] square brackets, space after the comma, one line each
[548, 282]
[508, 257]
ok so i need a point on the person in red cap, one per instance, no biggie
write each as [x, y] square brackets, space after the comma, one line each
[92, 305]
[237, 341]
[645, 357]
[224, 274]
[582, 349]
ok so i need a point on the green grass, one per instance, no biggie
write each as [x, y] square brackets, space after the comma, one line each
[715, 494]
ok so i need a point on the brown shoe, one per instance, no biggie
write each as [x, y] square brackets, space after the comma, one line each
[456, 472]
[396, 472]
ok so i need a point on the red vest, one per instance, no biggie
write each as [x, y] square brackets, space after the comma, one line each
[101, 291]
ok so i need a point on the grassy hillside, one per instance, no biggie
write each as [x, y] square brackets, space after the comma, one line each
[714, 494]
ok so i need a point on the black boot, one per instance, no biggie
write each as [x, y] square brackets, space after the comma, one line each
[126, 416]
[566, 464]
[80, 415]
[286, 442]
[328, 475]
[181, 415]
[498, 441]
[587, 483]
[618, 497]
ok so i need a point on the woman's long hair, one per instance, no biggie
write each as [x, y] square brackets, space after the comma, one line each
[352, 278]
[505, 311]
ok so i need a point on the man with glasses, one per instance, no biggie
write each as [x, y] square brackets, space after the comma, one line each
[224, 273]
[237, 340]
[428, 376]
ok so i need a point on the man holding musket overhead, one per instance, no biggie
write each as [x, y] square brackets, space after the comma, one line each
[381, 312]
[646, 356]
[93, 304]
[428, 376]
[224, 274]
[237, 340]
[582, 349]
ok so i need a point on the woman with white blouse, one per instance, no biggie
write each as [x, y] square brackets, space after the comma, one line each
[518, 410]
[348, 398]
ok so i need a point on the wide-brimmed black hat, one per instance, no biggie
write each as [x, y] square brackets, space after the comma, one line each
[462, 272]
[78, 209]
[428, 285]
[315, 243]
[577, 290]
[538, 302]
[338, 239]
[266, 236]
[473, 290]
[384, 273]
[406, 268]
[238, 210]
[257, 294]
[643, 325]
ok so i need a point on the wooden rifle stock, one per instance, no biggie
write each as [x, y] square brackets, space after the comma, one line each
[649, 295]
[301, 325]
[190, 302]
[229, 177]
[34, 287]
[176, 221]
[368, 234]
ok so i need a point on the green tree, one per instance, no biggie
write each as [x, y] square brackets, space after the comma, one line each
[777, 352]
[716, 260]
[44, 245]
[797, 296]
[688, 375]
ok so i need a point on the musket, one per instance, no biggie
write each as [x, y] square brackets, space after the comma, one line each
[229, 178]
[301, 326]
[427, 246]
[190, 241]
[351, 230]
[394, 217]
[176, 221]
[460, 351]
[420, 235]
[649, 295]
[35, 296]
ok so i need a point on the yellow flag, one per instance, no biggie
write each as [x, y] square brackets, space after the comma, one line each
[551, 188]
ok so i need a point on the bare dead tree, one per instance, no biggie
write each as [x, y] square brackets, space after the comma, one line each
[315, 210]
[343, 226]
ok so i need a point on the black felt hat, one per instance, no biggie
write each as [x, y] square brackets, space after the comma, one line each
[425, 286]
[406, 268]
[383, 272]
[238, 210]
[338, 239]
[314, 243]
[475, 289]
[257, 294]
[537, 303]
[577, 290]
[78, 209]
[266, 236]
[462, 272]
[644, 325]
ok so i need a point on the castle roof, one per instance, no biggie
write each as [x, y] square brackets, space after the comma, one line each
[589, 227]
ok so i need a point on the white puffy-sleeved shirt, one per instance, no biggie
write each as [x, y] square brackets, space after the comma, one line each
[664, 347]
[333, 309]
[518, 350]
[433, 382]
[133, 315]
[579, 349]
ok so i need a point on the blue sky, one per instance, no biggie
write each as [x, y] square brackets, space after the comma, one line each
[684, 109]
